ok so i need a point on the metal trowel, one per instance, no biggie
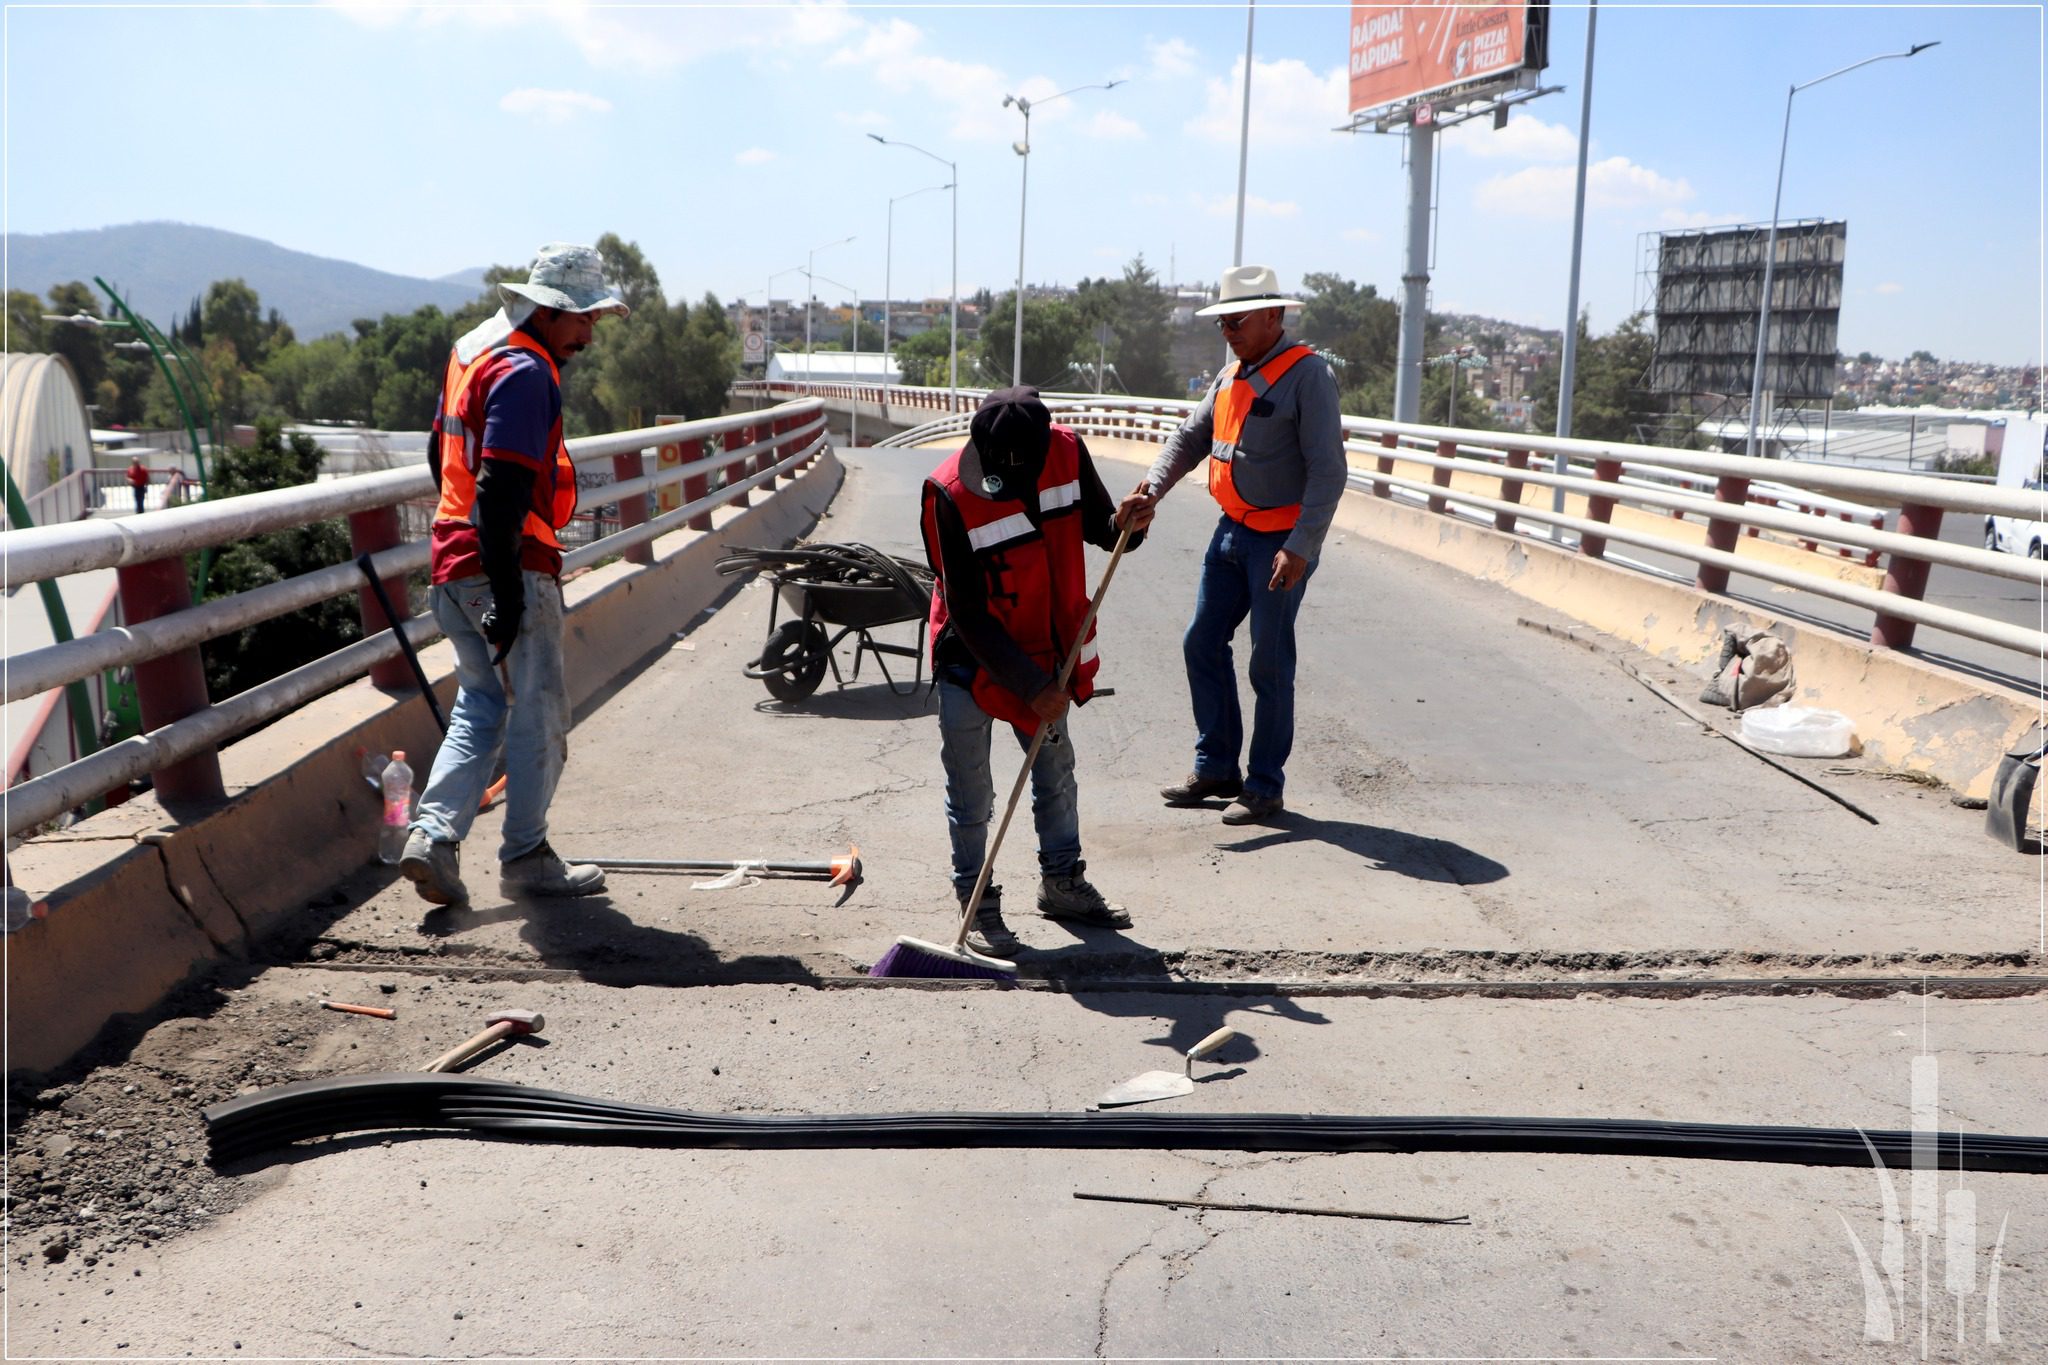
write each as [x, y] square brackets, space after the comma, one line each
[1165, 1085]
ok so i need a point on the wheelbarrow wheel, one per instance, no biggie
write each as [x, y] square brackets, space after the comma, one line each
[793, 661]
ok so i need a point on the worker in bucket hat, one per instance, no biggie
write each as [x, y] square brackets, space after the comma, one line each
[507, 489]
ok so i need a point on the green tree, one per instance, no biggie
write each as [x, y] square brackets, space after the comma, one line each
[1354, 324]
[1136, 311]
[233, 314]
[923, 357]
[1608, 382]
[267, 649]
[1053, 330]
[708, 359]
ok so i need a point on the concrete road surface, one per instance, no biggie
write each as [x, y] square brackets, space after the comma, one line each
[1606, 913]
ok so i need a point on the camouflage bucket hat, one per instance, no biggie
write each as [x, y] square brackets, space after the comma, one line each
[567, 277]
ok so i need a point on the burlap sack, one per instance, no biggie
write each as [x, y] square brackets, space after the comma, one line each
[1755, 669]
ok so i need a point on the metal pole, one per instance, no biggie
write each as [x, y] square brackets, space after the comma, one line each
[953, 347]
[810, 295]
[1763, 308]
[1244, 134]
[1567, 366]
[1023, 197]
[888, 286]
[1415, 277]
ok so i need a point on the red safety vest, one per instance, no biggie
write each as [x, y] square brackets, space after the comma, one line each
[462, 451]
[1233, 401]
[1036, 576]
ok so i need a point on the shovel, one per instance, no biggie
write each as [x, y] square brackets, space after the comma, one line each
[1165, 1085]
[2012, 789]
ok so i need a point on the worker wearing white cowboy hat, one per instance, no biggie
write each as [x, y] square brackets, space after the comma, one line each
[506, 489]
[1271, 430]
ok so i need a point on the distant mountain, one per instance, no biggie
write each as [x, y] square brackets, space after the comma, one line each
[161, 267]
[472, 278]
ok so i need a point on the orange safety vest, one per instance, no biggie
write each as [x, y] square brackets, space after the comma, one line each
[1037, 576]
[462, 451]
[1233, 402]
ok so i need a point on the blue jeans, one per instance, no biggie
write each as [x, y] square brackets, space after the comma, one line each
[532, 727]
[1234, 575]
[970, 794]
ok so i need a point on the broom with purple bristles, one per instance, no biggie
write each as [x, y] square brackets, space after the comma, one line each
[918, 957]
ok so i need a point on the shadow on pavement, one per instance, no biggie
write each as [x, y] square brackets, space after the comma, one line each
[1389, 850]
[862, 701]
[591, 936]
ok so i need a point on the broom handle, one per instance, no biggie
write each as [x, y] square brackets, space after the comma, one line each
[988, 863]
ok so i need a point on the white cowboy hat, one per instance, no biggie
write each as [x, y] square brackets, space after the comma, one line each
[567, 277]
[1246, 289]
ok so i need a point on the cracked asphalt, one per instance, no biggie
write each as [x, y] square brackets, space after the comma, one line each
[1476, 808]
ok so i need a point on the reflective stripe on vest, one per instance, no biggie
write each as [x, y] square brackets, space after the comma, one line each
[462, 452]
[1233, 402]
[1035, 575]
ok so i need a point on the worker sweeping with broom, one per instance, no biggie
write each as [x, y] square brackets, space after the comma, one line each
[1012, 629]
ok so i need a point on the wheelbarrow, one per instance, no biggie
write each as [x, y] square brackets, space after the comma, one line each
[834, 591]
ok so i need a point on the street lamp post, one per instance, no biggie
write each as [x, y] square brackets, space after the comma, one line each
[810, 259]
[953, 348]
[1763, 312]
[768, 317]
[889, 280]
[1023, 150]
[1464, 358]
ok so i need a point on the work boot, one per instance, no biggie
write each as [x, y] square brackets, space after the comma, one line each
[990, 936]
[1197, 788]
[541, 873]
[1252, 810]
[1070, 897]
[434, 867]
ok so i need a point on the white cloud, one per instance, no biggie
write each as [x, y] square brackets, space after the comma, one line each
[894, 56]
[553, 106]
[866, 118]
[754, 156]
[1360, 234]
[647, 38]
[1891, 287]
[1171, 58]
[1524, 139]
[1108, 126]
[1225, 206]
[1291, 105]
[1613, 184]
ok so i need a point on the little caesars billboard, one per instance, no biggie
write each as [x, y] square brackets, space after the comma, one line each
[1399, 52]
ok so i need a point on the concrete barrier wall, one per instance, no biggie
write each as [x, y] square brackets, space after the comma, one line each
[142, 900]
[1909, 715]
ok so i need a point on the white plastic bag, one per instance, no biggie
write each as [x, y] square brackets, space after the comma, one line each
[1801, 731]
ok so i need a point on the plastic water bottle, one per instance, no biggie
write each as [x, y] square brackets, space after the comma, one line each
[396, 785]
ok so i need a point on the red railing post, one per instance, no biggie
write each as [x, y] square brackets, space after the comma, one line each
[695, 486]
[1600, 509]
[633, 507]
[1906, 576]
[1385, 465]
[1511, 491]
[174, 686]
[1441, 476]
[734, 471]
[369, 532]
[1722, 534]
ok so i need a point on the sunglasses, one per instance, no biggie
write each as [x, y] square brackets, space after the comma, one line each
[1233, 321]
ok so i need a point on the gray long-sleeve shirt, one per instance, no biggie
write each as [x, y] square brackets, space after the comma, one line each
[1291, 449]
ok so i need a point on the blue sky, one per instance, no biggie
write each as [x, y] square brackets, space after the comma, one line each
[729, 140]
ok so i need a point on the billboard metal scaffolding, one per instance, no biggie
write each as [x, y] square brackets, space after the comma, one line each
[1705, 285]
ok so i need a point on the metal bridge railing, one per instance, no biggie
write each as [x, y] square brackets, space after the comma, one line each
[183, 729]
[1822, 508]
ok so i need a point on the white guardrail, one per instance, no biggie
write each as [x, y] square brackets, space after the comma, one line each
[1831, 511]
[775, 443]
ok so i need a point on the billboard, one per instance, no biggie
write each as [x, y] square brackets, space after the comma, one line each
[1401, 51]
[1709, 287]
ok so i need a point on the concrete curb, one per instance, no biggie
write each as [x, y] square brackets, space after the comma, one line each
[1909, 714]
[143, 900]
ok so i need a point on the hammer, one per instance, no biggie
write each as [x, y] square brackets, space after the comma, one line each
[503, 1024]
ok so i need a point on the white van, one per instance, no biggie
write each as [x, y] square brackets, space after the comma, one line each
[2020, 467]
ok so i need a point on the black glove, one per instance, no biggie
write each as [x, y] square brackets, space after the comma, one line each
[501, 625]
